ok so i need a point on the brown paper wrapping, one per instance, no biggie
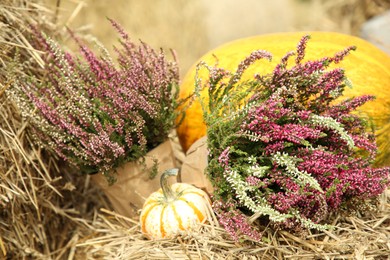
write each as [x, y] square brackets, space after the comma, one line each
[133, 185]
[194, 165]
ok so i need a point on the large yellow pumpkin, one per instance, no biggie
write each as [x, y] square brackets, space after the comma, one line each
[368, 68]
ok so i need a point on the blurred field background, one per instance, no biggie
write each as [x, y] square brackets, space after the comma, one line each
[192, 28]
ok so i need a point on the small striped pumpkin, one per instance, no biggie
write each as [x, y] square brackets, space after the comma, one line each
[173, 209]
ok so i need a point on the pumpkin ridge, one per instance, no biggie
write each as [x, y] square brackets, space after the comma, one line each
[197, 212]
[151, 202]
[162, 230]
[177, 217]
[144, 217]
[196, 193]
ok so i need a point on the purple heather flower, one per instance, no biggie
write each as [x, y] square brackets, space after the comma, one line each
[234, 222]
[98, 114]
[254, 56]
[301, 47]
[294, 153]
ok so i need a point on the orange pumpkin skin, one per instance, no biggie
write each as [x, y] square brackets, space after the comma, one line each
[368, 68]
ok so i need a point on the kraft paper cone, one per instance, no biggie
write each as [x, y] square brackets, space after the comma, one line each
[133, 185]
[194, 165]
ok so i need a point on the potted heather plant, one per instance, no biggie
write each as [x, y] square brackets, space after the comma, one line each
[281, 149]
[107, 118]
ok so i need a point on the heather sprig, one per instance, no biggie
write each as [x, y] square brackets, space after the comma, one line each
[97, 112]
[282, 148]
[234, 221]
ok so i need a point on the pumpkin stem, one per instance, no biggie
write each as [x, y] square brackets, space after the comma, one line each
[166, 188]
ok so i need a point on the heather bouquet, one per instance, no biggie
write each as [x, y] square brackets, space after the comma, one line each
[97, 112]
[285, 148]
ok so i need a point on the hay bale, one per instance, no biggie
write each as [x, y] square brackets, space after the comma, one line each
[39, 216]
[354, 237]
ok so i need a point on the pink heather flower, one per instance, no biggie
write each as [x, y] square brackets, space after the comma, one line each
[96, 113]
[253, 181]
[301, 47]
[274, 147]
[254, 56]
[347, 106]
[366, 183]
[224, 158]
[234, 222]
[341, 55]
[295, 149]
